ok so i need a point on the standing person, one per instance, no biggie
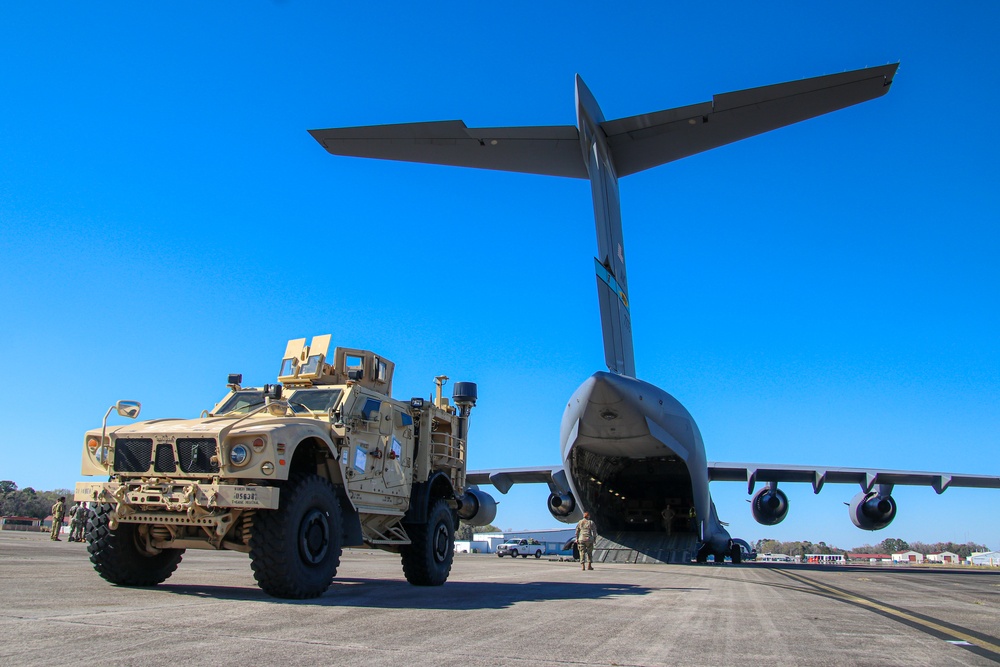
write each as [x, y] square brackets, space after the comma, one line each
[668, 519]
[586, 533]
[58, 512]
[78, 518]
[693, 519]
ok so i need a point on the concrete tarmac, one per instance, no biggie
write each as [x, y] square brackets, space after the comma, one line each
[55, 610]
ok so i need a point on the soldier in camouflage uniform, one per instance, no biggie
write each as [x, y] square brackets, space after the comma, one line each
[78, 520]
[586, 534]
[58, 512]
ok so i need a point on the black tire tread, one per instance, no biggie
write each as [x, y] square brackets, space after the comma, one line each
[418, 562]
[274, 548]
[116, 557]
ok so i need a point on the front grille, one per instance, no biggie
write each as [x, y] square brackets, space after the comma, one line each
[133, 454]
[196, 454]
[164, 461]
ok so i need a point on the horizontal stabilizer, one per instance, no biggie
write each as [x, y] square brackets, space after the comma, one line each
[648, 140]
[550, 151]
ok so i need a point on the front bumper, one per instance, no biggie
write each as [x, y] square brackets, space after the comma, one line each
[189, 496]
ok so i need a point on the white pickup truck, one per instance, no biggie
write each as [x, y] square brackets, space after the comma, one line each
[522, 547]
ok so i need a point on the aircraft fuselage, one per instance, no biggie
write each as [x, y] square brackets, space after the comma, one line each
[629, 449]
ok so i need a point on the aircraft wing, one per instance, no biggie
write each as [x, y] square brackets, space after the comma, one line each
[504, 478]
[648, 140]
[550, 151]
[867, 478]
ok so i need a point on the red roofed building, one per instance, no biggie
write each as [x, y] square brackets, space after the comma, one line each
[871, 558]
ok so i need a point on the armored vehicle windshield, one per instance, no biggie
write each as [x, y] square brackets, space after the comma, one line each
[242, 401]
[314, 400]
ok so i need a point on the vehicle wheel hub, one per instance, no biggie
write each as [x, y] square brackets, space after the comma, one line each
[314, 537]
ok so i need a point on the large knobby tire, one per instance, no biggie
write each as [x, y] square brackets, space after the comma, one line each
[119, 555]
[295, 549]
[427, 559]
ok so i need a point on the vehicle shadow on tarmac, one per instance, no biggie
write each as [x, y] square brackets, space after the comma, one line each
[459, 595]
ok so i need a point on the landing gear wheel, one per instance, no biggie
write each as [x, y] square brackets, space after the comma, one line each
[736, 554]
[295, 549]
[120, 555]
[703, 554]
[427, 559]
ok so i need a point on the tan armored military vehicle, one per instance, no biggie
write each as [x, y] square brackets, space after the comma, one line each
[290, 473]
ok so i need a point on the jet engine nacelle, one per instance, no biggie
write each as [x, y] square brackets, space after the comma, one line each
[769, 506]
[873, 510]
[477, 507]
[561, 505]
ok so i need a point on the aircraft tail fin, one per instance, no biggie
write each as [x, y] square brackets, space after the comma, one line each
[616, 323]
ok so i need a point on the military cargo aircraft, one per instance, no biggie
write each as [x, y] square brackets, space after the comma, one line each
[631, 454]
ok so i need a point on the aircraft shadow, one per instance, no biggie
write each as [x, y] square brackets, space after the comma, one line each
[397, 594]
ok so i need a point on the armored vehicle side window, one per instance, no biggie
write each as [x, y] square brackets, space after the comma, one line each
[372, 406]
[242, 401]
[317, 400]
[311, 367]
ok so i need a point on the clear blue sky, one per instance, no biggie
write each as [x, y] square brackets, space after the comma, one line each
[824, 294]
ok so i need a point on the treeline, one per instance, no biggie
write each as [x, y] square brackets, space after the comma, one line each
[892, 545]
[29, 502]
[465, 530]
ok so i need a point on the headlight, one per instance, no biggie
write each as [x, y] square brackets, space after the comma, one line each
[239, 455]
[97, 451]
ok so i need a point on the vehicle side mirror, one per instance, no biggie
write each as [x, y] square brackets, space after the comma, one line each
[128, 409]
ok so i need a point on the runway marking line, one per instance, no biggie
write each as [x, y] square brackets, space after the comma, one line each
[959, 637]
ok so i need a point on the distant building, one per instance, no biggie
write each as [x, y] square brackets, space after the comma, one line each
[774, 558]
[872, 559]
[944, 557]
[991, 558]
[28, 523]
[825, 559]
[908, 557]
[554, 539]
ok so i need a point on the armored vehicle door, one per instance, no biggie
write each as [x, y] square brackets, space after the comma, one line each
[398, 461]
[379, 459]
